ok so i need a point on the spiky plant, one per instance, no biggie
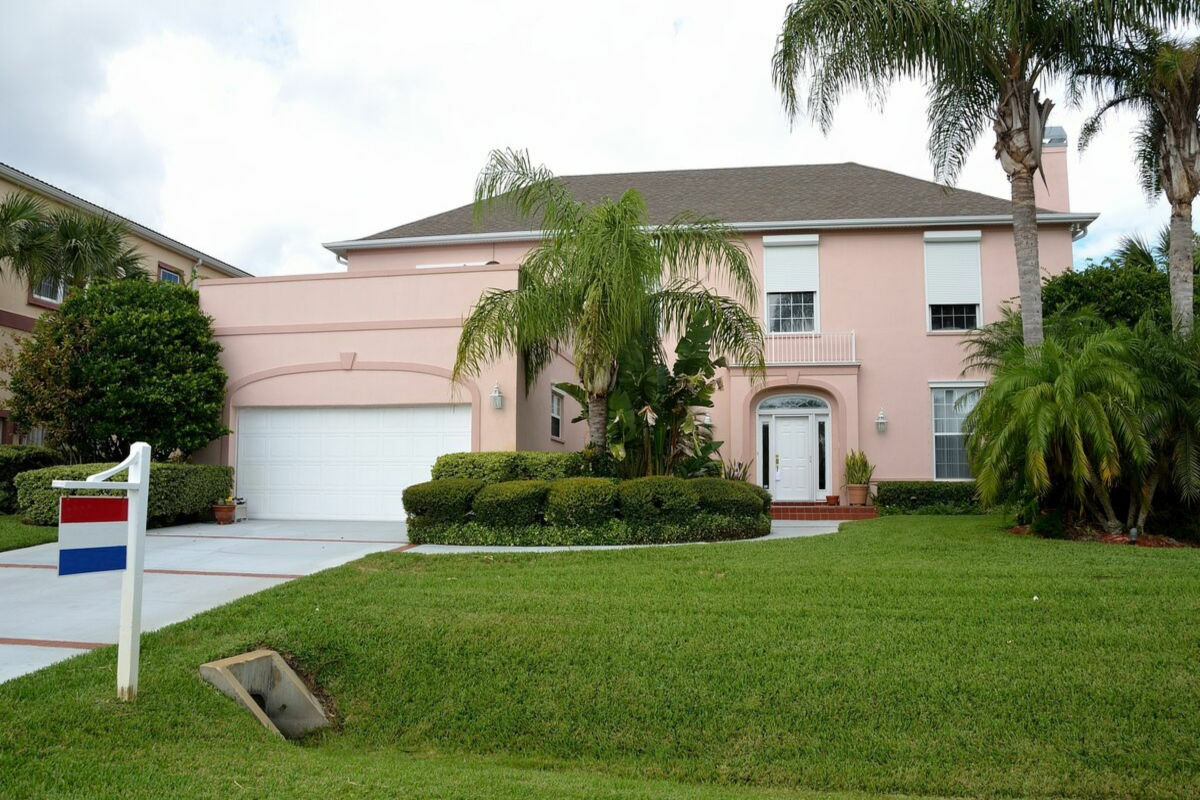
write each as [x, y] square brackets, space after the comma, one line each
[1158, 77]
[982, 61]
[1062, 416]
[599, 277]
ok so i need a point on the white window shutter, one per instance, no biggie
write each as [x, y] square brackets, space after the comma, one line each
[791, 267]
[952, 271]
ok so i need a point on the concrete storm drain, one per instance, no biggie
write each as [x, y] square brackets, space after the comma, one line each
[263, 683]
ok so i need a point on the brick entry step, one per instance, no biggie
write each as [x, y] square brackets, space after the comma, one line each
[819, 511]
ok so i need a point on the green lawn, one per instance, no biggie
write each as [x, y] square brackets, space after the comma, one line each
[906, 655]
[14, 533]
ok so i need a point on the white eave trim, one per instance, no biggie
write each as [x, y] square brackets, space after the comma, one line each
[38, 186]
[1045, 217]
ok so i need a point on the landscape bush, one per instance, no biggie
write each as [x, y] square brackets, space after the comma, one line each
[658, 498]
[927, 497]
[581, 501]
[510, 503]
[444, 501]
[737, 498]
[178, 492]
[585, 511]
[522, 465]
[18, 458]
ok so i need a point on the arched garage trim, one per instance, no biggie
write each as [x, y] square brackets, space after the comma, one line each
[344, 365]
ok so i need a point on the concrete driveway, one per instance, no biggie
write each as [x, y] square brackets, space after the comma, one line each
[189, 569]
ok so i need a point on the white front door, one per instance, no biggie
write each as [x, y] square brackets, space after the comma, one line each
[793, 459]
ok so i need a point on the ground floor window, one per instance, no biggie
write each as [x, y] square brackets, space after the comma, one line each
[50, 290]
[951, 405]
[556, 405]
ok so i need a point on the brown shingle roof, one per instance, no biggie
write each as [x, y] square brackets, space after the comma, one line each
[746, 194]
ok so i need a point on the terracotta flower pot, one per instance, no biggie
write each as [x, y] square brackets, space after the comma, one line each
[833, 499]
[857, 493]
[223, 512]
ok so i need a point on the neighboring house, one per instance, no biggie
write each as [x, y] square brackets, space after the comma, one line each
[20, 304]
[339, 392]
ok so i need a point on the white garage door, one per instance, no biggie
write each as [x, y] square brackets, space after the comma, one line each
[341, 463]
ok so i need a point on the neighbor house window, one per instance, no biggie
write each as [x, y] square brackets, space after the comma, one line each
[953, 285]
[50, 290]
[791, 312]
[556, 408]
[169, 275]
[953, 317]
[950, 407]
[792, 281]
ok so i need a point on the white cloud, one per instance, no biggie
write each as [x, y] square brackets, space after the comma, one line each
[258, 132]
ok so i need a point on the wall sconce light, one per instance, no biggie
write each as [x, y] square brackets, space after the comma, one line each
[497, 396]
[881, 422]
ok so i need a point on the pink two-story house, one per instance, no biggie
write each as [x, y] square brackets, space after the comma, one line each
[339, 390]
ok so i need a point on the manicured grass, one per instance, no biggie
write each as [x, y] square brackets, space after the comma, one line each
[14, 533]
[905, 655]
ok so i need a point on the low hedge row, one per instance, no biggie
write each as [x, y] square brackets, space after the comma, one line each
[927, 497]
[584, 510]
[18, 458]
[178, 492]
[522, 465]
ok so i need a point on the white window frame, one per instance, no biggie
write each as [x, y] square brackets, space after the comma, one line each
[556, 394]
[934, 237]
[62, 293]
[807, 239]
[178, 276]
[934, 385]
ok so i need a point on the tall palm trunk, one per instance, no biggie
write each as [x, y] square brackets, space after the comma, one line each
[1180, 261]
[1025, 239]
[598, 421]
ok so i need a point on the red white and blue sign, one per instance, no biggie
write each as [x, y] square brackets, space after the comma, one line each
[92, 534]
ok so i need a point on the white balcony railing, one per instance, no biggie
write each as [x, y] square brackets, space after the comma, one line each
[834, 347]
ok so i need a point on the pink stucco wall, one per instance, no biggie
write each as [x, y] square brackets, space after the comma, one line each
[288, 341]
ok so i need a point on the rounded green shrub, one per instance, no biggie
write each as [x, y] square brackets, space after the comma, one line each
[722, 496]
[581, 501]
[18, 458]
[510, 503]
[659, 498]
[177, 491]
[444, 501]
[486, 467]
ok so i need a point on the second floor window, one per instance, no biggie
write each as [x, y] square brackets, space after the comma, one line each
[50, 290]
[169, 275]
[556, 406]
[791, 312]
[953, 283]
[953, 317]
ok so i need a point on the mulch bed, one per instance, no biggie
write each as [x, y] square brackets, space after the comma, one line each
[1083, 534]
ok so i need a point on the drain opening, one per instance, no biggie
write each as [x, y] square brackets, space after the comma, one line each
[263, 683]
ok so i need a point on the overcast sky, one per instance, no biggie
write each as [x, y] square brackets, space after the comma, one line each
[254, 131]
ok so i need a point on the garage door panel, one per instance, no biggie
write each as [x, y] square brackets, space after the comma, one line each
[341, 463]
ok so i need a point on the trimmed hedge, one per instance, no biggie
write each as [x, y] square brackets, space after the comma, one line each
[511, 503]
[585, 511]
[18, 458]
[738, 498]
[523, 465]
[444, 501]
[656, 499]
[927, 497]
[581, 501]
[178, 492]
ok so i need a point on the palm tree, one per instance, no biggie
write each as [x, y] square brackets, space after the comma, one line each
[600, 276]
[1158, 77]
[1062, 417]
[66, 246]
[982, 62]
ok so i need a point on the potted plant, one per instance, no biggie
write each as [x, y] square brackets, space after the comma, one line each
[858, 477]
[833, 499]
[224, 511]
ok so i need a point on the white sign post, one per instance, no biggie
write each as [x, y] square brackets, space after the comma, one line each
[137, 491]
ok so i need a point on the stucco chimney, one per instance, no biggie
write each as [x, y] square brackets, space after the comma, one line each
[1054, 194]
